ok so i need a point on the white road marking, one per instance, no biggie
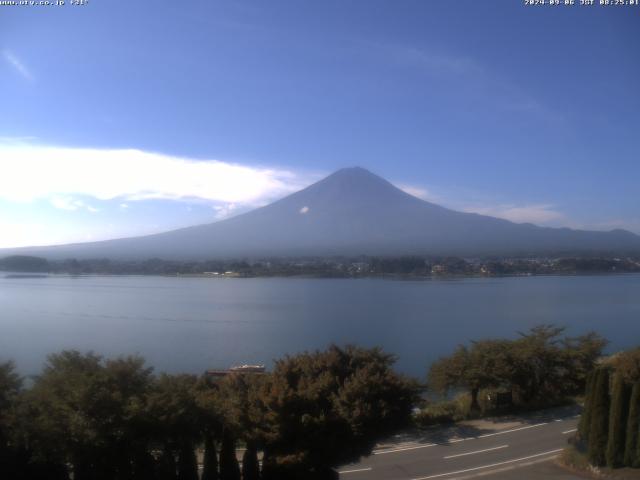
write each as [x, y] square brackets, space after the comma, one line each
[477, 451]
[489, 466]
[368, 469]
[570, 431]
[460, 440]
[403, 449]
[512, 430]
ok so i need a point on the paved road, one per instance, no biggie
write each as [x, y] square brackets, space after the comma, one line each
[538, 439]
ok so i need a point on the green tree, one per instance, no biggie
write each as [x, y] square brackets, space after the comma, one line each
[10, 387]
[167, 468]
[585, 419]
[250, 466]
[599, 419]
[486, 364]
[24, 263]
[327, 408]
[539, 366]
[62, 404]
[632, 446]
[580, 357]
[617, 422]
[210, 401]
[187, 462]
[539, 363]
[90, 413]
[210, 462]
[229, 467]
[628, 364]
[173, 404]
[243, 415]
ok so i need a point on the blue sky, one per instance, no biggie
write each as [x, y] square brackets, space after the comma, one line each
[122, 118]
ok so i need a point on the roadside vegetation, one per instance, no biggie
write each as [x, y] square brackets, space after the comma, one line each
[86, 417]
[541, 368]
[609, 429]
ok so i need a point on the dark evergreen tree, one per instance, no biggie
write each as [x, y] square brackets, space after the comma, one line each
[617, 422]
[229, 468]
[10, 386]
[599, 429]
[632, 446]
[144, 465]
[167, 465]
[268, 467]
[210, 470]
[250, 467]
[585, 419]
[187, 462]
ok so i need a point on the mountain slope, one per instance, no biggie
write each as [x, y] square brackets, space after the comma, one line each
[350, 212]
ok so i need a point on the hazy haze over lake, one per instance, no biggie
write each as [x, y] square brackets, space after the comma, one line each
[190, 324]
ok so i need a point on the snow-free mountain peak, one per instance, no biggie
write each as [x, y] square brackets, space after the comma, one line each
[350, 212]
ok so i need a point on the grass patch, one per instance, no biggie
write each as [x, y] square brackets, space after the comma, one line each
[449, 411]
[574, 459]
[459, 409]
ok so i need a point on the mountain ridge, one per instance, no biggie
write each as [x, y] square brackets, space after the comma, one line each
[350, 212]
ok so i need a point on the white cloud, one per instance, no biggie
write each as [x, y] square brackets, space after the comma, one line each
[419, 192]
[17, 64]
[223, 211]
[64, 203]
[19, 233]
[538, 213]
[71, 204]
[28, 173]
[304, 210]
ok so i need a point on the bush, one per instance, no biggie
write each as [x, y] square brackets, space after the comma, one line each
[574, 458]
[444, 412]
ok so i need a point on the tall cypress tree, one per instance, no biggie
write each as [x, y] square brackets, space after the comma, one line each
[229, 468]
[637, 460]
[599, 429]
[268, 466]
[585, 419]
[143, 465]
[167, 465]
[617, 422]
[210, 470]
[187, 462]
[632, 446]
[250, 466]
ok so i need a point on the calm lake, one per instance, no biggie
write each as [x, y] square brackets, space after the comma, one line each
[191, 324]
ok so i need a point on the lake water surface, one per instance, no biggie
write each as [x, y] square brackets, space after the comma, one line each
[191, 324]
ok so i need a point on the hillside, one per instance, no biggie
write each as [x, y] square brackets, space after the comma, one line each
[350, 212]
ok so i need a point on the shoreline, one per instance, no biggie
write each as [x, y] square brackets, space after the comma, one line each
[385, 276]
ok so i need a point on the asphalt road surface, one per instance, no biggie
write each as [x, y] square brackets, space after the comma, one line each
[517, 452]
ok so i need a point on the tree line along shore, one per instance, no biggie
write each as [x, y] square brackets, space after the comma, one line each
[87, 417]
[339, 267]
